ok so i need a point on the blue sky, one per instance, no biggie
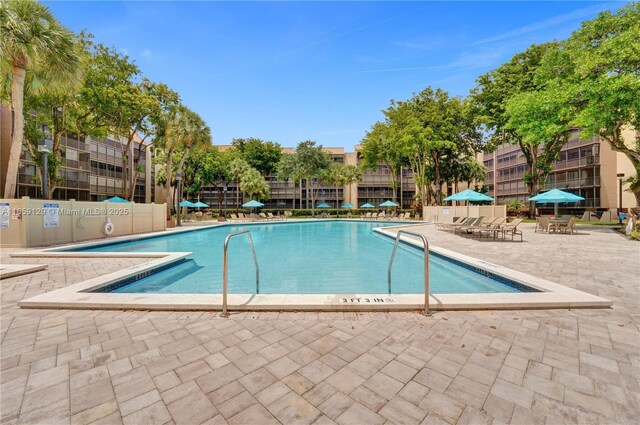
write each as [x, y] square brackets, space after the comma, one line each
[291, 71]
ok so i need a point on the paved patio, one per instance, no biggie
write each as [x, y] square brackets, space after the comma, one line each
[480, 367]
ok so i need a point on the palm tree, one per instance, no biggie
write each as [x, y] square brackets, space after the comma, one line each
[30, 38]
[237, 168]
[252, 183]
[352, 174]
[335, 176]
[191, 133]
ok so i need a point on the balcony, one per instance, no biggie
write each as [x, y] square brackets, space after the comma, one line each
[573, 183]
[578, 162]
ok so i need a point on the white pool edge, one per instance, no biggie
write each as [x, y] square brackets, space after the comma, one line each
[552, 295]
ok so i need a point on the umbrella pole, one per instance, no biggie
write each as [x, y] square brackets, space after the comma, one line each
[555, 210]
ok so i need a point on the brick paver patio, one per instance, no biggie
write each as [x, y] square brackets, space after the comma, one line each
[479, 367]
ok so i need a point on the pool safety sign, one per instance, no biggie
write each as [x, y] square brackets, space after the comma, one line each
[51, 215]
[5, 214]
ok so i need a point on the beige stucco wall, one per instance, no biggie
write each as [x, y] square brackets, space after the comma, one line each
[78, 221]
[613, 163]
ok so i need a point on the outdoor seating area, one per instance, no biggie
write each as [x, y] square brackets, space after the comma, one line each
[561, 225]
[496, 227]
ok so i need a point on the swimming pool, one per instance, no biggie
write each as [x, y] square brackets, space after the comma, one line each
[320, 257]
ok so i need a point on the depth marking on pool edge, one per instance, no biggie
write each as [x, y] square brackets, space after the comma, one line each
[361, 300]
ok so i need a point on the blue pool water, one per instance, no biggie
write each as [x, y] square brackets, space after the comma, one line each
[323, 257]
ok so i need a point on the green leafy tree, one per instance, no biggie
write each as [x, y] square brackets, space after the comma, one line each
[379, 147]
[289, 168]
[30, 39]
[253, 183]
[313, 163]
[507, 100]
[206, 166]
[598, 70]
[426, 131]
[261, 155]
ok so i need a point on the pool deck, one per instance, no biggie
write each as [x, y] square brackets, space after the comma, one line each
[467, 367]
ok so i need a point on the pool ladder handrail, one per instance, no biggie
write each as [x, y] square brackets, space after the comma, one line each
[426, 311]
[225, 267]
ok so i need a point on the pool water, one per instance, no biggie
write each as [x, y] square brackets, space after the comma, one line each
[321, 257]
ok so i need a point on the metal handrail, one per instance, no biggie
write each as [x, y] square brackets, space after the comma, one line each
[426, 265]
[225, 272]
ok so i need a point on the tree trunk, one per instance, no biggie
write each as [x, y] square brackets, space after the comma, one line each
[168, 195]
[294, 194]
[179, 171]
[17, 105]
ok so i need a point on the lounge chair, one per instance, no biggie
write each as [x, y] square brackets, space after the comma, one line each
[469, 225]
[288, 214]
[511, 229]
[445, 225]
[484, 224]
[468, 222]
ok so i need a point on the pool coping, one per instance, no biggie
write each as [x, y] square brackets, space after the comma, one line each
[75, 296]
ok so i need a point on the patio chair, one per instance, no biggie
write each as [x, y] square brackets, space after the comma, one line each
[511, 229]
[543, 224]
[262, 216]
[287, 214]
[569, 227]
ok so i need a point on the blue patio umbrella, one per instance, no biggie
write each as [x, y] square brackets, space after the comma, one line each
[200, 205]
[555, 196]
[323, 205]
[367, 205]
[388, 204]
[347, 206]
[252, 204]
[187, 204]
[117, 200]
[469, 196]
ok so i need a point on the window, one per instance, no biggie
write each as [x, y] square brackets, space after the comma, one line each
[72, 155]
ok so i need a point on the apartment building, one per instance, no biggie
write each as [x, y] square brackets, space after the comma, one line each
[91, 168]
[588, 168]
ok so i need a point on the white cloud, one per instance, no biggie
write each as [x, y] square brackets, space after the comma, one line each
[547, 23]
[146, 53]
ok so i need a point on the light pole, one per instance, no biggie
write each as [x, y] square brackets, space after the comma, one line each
[620, 177]
[179, 187]
[45, 146]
